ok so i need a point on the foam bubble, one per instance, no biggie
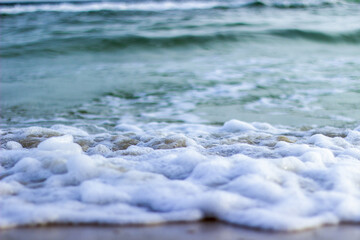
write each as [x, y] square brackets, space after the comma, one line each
[63, 143]
[237, 126]
[12, 145]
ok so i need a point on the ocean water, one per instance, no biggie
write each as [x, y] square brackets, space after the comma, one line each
[144, 112]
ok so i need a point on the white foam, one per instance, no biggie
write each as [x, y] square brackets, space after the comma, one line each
[99, 149]
[149, 5]
[11, 145]
[243, 173]
[63, 143]
[237, 126]
[127, 128]
[95, 192]
[109, 6]
[69, 130]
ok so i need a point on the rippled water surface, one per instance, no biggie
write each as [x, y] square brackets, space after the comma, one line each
[282, 62]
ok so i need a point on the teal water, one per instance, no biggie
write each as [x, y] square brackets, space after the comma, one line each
[293, 63]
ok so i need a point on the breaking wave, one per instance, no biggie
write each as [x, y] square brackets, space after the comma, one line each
[101, 43]
[29, 7]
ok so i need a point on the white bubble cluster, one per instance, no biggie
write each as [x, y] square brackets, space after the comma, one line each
[253, 175]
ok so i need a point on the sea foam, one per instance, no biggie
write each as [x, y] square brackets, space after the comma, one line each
[250, 174]
[63, 6]
[109, 6]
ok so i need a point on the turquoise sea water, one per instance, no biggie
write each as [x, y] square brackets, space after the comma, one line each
[283, 62]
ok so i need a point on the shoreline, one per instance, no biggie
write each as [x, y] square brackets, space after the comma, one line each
[204, 230]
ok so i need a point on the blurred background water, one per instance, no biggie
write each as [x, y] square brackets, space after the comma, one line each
[294, 63]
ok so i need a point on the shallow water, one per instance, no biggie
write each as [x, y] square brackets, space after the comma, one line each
[282, 62]
[112, 111]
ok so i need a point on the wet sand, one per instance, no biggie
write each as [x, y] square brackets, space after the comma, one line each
[197, 231]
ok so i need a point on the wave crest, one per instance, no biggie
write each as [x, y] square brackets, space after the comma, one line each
[26, 7]
[101, 43]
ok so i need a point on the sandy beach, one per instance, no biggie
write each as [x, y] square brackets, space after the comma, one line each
[197, 231]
